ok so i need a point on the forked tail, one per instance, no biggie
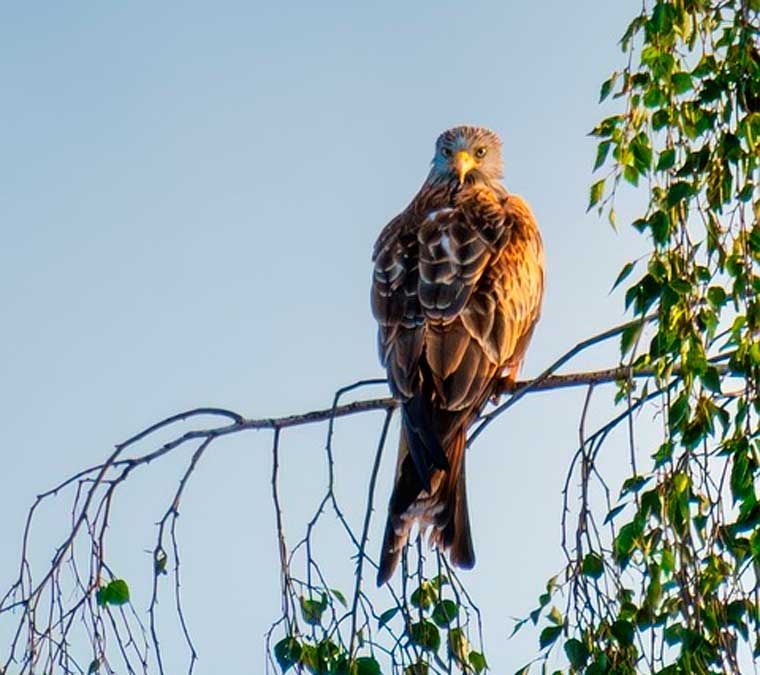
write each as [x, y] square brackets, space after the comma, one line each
[444, 508]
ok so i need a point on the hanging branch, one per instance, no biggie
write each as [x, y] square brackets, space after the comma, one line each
[102, 598]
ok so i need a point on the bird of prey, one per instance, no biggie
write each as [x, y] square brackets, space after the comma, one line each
[456, 290]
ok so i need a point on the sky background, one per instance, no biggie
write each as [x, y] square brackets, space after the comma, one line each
[189, 195]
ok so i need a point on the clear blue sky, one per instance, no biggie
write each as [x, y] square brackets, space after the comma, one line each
[189, 194]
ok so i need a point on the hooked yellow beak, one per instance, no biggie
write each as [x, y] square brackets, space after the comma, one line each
[464, 163]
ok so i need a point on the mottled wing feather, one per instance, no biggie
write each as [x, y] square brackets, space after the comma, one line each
[463, 286]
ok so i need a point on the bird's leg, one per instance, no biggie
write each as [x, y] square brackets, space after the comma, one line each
[506, 384]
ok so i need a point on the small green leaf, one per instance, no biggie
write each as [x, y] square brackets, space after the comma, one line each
[459, 645]
[628, 337]
[677, 192]
[287, 652]
[666, 160]
[424, 596]
[366, 665]
[94, 667]
[577, 653]
[659, 224]
[624, 273]
[312, 610]
[680, 483]
[425, 634]
[595, 194]
[716, 296]
[592, 566]
[681, 82]
[311, 658]
[114, 593]
[711, 379]
[549, 635]
[634, 484]
[445, 612]
[613, 512]
[386, 616]
[419, 668]
[339, 596]
[478, 662]
[606, 87]
[602, 151]
[678, 410]
[555, 616]
[624, 543]
[623, 632]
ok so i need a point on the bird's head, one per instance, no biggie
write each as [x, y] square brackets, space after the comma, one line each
[465, 154]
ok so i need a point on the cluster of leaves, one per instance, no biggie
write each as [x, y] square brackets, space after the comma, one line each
[420, 629]
[674, 588]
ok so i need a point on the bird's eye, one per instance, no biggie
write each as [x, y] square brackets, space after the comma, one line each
[446, 152]
[481, 152]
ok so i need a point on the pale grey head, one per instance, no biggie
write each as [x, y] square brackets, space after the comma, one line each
[467, 154]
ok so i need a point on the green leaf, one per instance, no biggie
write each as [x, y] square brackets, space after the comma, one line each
[631, 174]
[312, 610]
[666, 160]
[366, 665]
[624, 274]
[577, 653]
[386, 616]
[628, 337]
[678, 410]
[711, 379]
[613, 512]
[549, 635]
[287, 652]
[623, 632]
[634, 484]
[680, 483]
[419, 668]
[424, 596]
[677, 192]
[445, 612]
[602, 150]
[592, 566]
[310, 657]
[339, 596]
[662, 18]
[459, 645]
[114, 593]
[477, 661]
[642, 155]
[595, 194]
[654, 98]
[425, 634]
[94, 667]
[681, 82]
[624, 543]
[606, 87]
[716, 296]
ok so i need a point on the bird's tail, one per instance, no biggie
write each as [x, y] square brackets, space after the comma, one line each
[444, 507]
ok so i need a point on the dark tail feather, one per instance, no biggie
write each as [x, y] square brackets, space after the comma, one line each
[390, 553]
[425, 448]
[456, 535]
[406, 489]
[462, 552]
